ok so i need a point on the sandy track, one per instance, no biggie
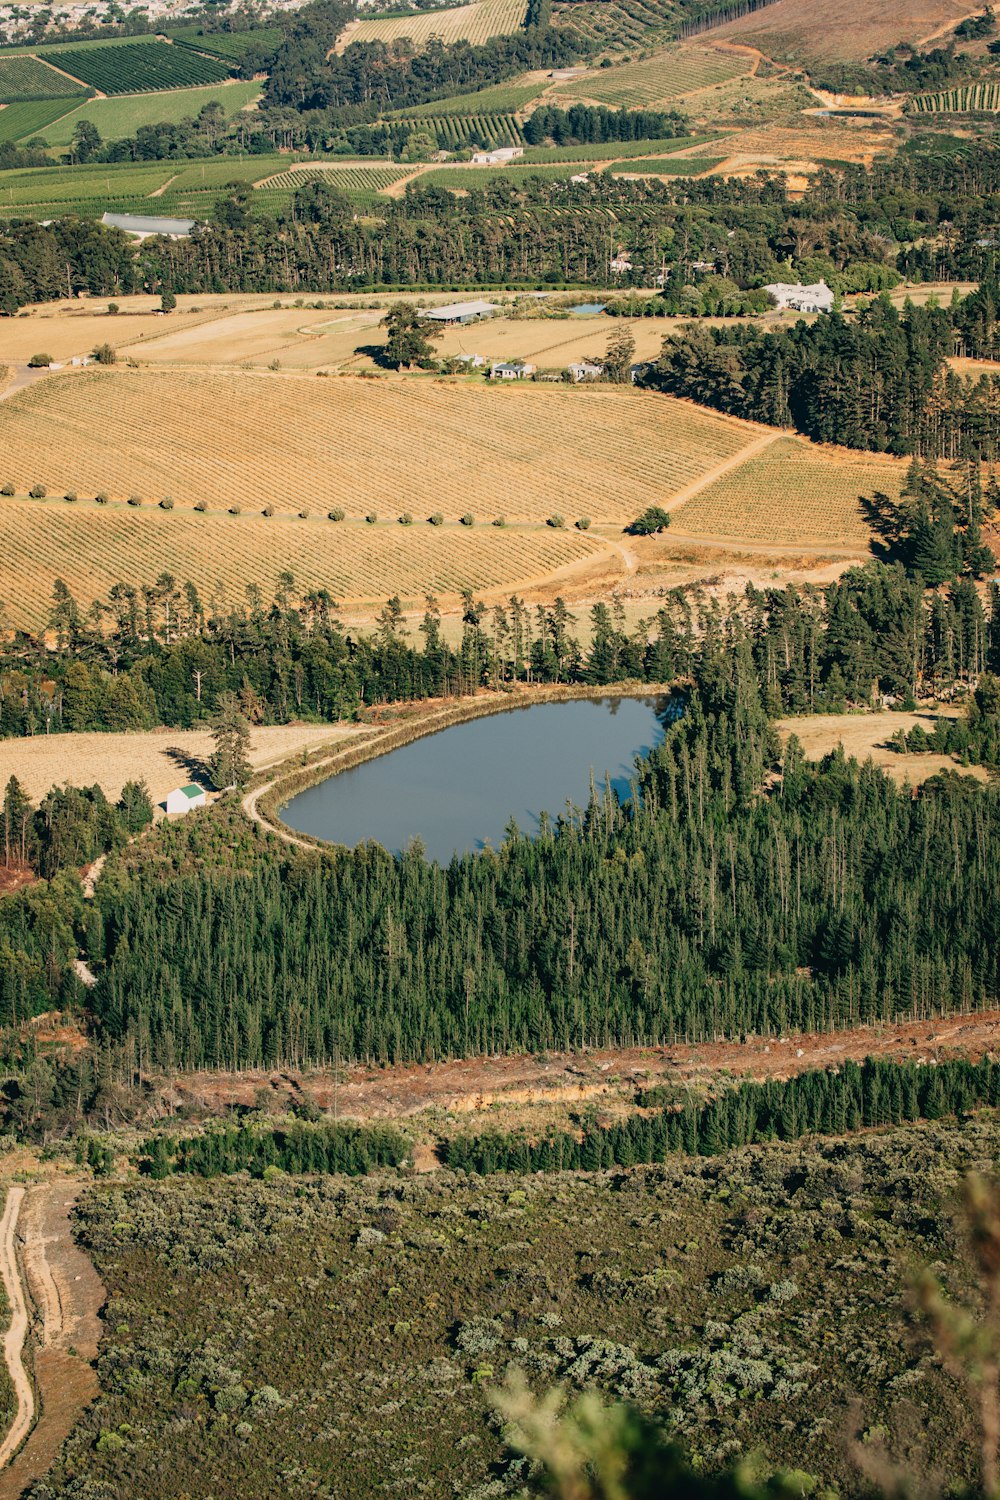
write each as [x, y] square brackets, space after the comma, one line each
[13, 1342]
[65, 1295]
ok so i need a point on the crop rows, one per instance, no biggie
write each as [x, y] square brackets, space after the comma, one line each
[124, 114]
[973, 98]
[474, 23]
[364, 180]
[611, 150]
[790, 493]
[467, 179]
[462, 130]
[92, 548]
[139, 70]
[96, 187]
[30, 78]
[230, 45]
[667, 166]
[672, 73]
[525, 452]
[620, 23]
[21, 121]
[219, 173]
[499, 98]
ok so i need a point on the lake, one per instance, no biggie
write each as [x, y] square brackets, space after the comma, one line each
[458, 789]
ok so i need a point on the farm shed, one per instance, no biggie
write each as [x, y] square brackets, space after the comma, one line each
[512, 371]
[459, 312]
[585, 369]
[143, 228]
[183, 798]
[498, 157]
[797, 298]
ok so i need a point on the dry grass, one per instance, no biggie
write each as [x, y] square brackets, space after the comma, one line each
[163, 758]
[848, 30]
[389, 445]
[867, 736]
[794, 492]
[476, 23]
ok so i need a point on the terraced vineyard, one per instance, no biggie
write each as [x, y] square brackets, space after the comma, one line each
[474, 23]
[499, 98]
[92, 548]
[974, 98]
[132, 69]
[524, 452]
[31, 116]
[672, 73]
[453, 131]
[364, 181]
[30, 78]
[793, 492]
[122, 116]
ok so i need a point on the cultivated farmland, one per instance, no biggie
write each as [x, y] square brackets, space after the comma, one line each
[670, 74]
[92, 548]
[666, 166]
[453, 131]
[618, 24]
[499, 98]
[351, 177]
[474, 23]
[30, 78]
[363, 445]
[131, 69]
[793, 492]
[974, 98]
[123, 116]
[232, 46]
[31, 116]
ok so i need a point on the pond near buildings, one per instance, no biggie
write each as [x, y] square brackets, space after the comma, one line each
[457, 790]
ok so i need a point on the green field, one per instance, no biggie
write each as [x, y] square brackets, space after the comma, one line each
[667, 166]
[668, 75]
[57, 50]
[19, 122]
[499, 98]
[121, 117]
[52, 187]
[24, 78]
[467, 179]
[220, 171]
[232, 46]
[350, 179]
[131, 69]
[614, 150]
[455, 131]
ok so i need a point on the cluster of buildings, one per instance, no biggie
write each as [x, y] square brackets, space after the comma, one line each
[794, 297]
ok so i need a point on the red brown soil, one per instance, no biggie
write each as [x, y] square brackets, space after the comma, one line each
[466, 1086]
[66, 1297]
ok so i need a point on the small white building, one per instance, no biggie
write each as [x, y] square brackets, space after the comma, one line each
[498, 157]
[585, 369]
[474, 361]
[580, 177]
[511, 371]
[183, 798]
[620, 263]
[143, 227]
[794, 297]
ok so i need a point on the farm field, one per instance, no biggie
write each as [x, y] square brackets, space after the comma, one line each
[132, 69]
[467, 178]
[30, 78]
[93, 547]
[670, 74]
[232, 46]
[350, 176]
[867, 736]
[787, 30]
[972, 98]
[793, 492]
[453, 131]
[523, 452]
[614, 150]
[499, 98]
[122, 116]
[109, 760]
[665, 166]
[475, 23]
[618, 24]
[30, 117]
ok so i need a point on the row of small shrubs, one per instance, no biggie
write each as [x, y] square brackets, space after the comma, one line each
[39, 492]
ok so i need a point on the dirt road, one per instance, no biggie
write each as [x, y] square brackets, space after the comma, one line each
[13, 1341]
[63, 1294]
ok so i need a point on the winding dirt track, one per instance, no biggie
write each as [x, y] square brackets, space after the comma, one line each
[13, 1342]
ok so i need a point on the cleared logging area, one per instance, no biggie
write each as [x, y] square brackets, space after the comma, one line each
[793, 492]
[474, 23]
[91, 548]
[365, 445]
[669, 75]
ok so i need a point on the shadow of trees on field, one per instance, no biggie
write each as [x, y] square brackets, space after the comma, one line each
[193, 766]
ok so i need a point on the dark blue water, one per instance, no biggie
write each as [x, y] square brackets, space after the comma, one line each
[587, 309]
[457, 790]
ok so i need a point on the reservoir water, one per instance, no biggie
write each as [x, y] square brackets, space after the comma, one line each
[458, 789]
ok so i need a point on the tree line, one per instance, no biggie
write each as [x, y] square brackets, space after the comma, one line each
[349, 1149]
[818, 1102]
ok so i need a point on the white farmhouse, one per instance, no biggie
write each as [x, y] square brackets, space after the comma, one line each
[511, 371]
[498, 158]
[620, 264]
[183, 798]
[585, 369]
[794, 297]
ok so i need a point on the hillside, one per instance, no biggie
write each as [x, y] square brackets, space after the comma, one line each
[842, 30]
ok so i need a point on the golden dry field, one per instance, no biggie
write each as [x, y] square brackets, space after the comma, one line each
[163, 758]
[846, 30]
[389, 445]
[475, 23]
[793, 492]
[93, 547]
[866, 737]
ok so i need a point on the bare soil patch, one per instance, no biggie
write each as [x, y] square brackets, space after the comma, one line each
[867, 736]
